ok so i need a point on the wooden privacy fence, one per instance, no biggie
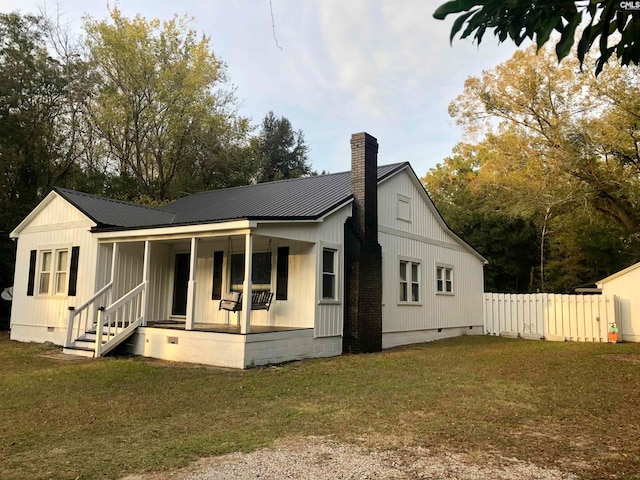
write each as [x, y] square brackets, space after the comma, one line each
[575, 318]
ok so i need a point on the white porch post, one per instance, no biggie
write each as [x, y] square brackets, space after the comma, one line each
[191, 286]
[245, 315]
[145, 278]
[114, 272]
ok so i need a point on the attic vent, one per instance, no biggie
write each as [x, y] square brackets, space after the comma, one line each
[173, 340]
[404, 208]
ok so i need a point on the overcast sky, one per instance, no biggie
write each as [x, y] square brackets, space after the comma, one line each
[345, 66]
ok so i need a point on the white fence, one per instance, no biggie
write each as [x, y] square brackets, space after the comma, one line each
[576, 318]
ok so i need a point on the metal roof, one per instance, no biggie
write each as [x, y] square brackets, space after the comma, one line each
[107, 212]
[307, 198]
[293, 199]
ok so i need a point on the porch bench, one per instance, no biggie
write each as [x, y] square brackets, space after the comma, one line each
[260, 300]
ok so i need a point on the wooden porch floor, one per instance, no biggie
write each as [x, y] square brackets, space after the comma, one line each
[219, 327]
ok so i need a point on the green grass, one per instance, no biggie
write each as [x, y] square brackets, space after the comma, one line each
[567, 405]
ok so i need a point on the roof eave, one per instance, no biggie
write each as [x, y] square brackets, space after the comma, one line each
[15, 233]
[619, 274]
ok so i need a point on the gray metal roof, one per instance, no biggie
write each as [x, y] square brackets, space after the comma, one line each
[305, 198]
[107, 212]
[293, 199]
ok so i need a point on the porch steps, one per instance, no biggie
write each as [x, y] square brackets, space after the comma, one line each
[79, 351]
[85, 345]
[117, 322]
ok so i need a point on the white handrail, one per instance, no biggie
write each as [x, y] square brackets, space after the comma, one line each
[75, 312]
[115, 305]
[119, 320]
[94, 297]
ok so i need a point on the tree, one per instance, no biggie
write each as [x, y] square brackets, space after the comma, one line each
[614, 26]
[280, 150]
[218, 158]
[39, 105]
[561, 117]
[473, 211]
[555, 148]
[160, 92]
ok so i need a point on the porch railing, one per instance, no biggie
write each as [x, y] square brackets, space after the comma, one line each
[84, 318]
[118, 321]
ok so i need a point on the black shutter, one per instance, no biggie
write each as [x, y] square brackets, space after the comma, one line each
[32, 272]
[282, 274]
[73, 271]
[216, 290]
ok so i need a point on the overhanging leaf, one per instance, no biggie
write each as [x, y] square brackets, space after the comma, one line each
[566, 41]
[457, 25]
[545, 31]
[446, 8]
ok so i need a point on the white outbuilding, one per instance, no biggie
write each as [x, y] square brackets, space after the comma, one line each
[624, 288]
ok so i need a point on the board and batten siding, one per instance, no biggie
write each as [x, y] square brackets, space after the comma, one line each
[129, 269]
[40, 318]
[624, 288]
[330, 315]
[295, 311]
[422, 238]
[159, 281]
[423, 221]
[327, 233]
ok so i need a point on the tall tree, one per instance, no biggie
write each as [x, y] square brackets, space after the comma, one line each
[556, 150]
[613, 25]
[161, 90]
[39, 105]
[280, 150]
[473, 210]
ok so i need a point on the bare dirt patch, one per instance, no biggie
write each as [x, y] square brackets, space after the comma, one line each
[58, 355]
[633, 358]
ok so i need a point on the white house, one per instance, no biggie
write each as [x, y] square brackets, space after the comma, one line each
[624, 288]
[353, 262]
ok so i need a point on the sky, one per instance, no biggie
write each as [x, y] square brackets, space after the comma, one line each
[335, 67]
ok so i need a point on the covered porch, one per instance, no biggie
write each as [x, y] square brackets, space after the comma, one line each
[191, 283]
[156, 290]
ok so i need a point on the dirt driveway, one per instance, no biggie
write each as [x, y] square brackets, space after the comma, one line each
[320, 458]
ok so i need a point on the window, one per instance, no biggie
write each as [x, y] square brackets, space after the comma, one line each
[444, 279]
[53, 273]
[329, 274]
[62, 266]
[409, 281]
[45, 273]
[260, 271]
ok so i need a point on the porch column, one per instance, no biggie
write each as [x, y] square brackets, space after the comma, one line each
[146, 274]
[191, 286]
[245, 314]
[114, 272]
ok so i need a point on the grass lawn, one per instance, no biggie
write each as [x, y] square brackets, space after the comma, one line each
[571, 406]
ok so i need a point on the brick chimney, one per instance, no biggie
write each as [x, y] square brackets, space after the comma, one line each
[364, 186]
[363, 255]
